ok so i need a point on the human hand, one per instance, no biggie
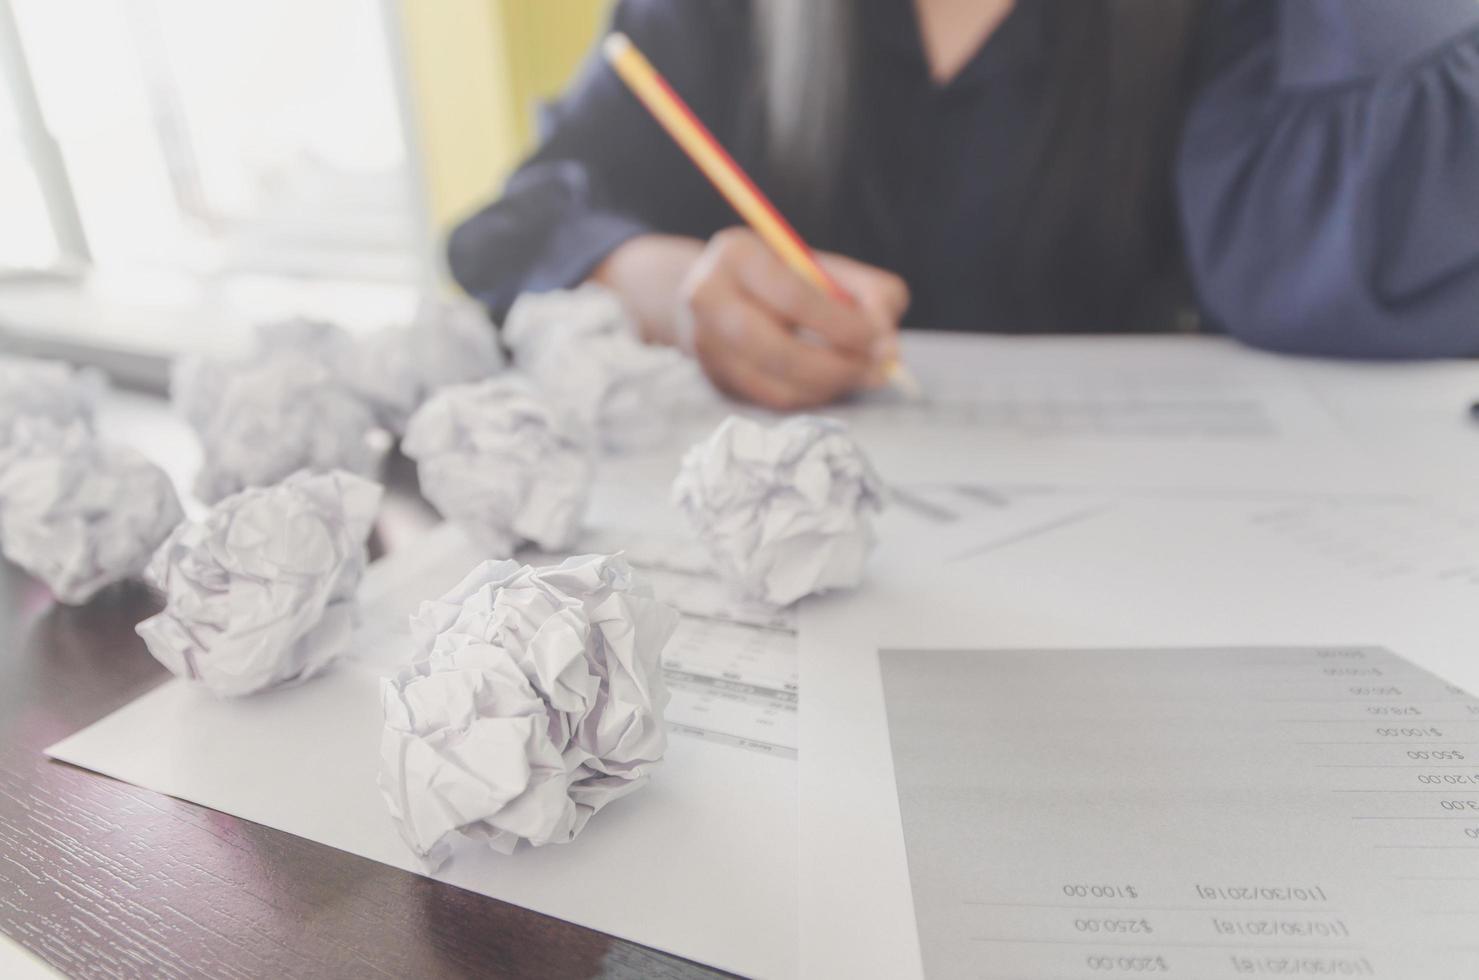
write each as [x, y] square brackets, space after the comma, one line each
[760, 330]
[763, 332]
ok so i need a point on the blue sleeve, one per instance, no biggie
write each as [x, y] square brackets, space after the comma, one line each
[605, 170]
[1328, 176]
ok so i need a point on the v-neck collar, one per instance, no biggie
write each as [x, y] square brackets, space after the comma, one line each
[1018, 42]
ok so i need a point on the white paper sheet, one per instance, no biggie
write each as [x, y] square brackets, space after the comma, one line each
[1414, 418]
[1161, 572]
[1319, 440]
[1143, 412]
[701, 863]
[1134, 388]
[734, 683]
[1026, 586]
[17, 963]
[1207, 813]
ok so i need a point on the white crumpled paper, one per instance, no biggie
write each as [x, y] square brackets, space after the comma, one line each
[450, 342]
[391, 372]
[535, 698]
[77, 513]
[785, 510]
[261, 592]
[196, 380]
[258, 421]
[496, 460]
[51, 390]
[585, 354]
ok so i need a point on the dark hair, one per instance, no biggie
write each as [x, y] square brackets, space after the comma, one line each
[1096, 233]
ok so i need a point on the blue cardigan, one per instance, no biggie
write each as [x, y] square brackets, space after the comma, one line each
[1327, 179]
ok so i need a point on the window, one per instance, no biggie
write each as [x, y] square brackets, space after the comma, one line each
[216, 136]
[178, 169]
[213, 152]
[27, 239]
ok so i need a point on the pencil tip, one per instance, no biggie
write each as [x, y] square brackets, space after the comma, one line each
[903, 381]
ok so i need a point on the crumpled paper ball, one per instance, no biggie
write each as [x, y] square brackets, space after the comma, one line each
[52, 390]
[260, 421]
[785, 510]
[195, 383]
[262, 591]
[77, 513]
[496, 460]
[196, 380]
[585, 354]
[535, 698]
[450, 342]
[393, 371]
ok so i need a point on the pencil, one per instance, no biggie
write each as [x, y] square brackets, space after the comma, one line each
[654, 92]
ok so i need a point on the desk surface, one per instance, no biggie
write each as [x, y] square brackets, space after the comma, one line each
[103, 879]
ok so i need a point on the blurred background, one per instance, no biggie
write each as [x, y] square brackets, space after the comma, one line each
[172, 171]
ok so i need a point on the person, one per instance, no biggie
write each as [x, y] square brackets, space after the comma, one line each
[1301, 174]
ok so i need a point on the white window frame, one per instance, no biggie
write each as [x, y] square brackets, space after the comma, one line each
[41, 149]
[60, 312]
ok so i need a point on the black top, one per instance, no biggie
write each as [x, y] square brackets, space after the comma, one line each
[1326, 184]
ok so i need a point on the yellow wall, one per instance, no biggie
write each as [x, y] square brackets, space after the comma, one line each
[478, 69]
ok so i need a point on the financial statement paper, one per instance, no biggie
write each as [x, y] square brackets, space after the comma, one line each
[1206, 813]
[1163, 571]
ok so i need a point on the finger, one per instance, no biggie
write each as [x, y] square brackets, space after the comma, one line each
[796, 300]
[738, 377]
[749, 330]
[744, 380]
[879, 291]
[821, 373]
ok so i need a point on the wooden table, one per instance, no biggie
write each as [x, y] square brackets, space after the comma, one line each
[103, 879]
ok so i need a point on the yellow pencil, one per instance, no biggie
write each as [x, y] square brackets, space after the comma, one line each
[654, 92]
